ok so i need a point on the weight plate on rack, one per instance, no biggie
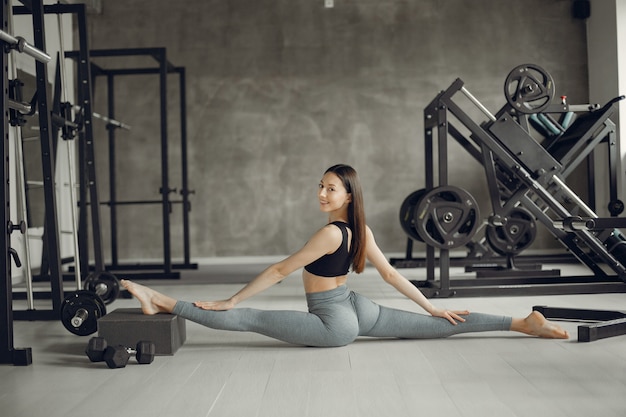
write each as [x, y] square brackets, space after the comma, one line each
[103, 283]
[80, 312]
[529, 88]
[407, 214]
[446, 217]
[616, 207]
[516, 235]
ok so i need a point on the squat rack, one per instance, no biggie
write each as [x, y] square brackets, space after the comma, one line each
[163, 68]
[8, 353]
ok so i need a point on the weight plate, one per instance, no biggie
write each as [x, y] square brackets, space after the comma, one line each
[86, 306]
[407, 214]
[446, 217]
[103, 283]
[517, 234]
[529, 88]
[616, 207]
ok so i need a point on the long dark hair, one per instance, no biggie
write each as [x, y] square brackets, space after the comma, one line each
[356, 213]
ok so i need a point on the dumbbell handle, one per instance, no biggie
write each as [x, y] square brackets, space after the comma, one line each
[80, 316]
[130, 351]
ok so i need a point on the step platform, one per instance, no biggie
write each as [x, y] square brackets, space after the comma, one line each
[127, 326]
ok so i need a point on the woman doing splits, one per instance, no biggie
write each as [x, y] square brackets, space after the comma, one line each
[337, 316]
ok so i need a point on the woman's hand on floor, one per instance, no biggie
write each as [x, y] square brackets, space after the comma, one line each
[221, 305]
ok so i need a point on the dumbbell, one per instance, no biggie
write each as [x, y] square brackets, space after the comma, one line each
[118, 356]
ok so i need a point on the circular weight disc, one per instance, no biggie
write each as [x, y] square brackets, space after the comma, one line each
[616, 207]
[529, 88]
[105, 284]
[407, 214]
[88, 301]
[447, 217]
[515, 236]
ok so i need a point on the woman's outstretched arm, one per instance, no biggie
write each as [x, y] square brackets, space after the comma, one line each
[403, 285]
[326, 240]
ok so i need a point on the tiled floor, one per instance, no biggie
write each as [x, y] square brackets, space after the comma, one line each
[239, 374]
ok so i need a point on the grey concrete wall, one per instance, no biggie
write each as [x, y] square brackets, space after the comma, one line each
[278, 90]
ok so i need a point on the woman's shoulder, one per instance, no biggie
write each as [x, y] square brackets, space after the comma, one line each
[327, 232]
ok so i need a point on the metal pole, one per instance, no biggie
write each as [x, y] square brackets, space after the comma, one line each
[21, 190]
[112, 171]
[184, 165]
[48, 163]
[23, 46]
[478, 104]
[165, 188]
[574, 197]
[70, 161]
[23, 108]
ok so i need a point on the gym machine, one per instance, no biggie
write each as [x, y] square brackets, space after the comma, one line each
[82, 127]
[526, 177]
[8, 353]
[167, 269]
[78, 310]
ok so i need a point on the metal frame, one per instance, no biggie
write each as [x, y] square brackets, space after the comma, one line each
[605, 323]
[8, 354]
[162, 70]
[51, 251]
[536, 182]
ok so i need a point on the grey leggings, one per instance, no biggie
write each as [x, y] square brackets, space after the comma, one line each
[336, 318]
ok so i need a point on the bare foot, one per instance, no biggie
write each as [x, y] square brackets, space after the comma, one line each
[535, 324]
[152, 302]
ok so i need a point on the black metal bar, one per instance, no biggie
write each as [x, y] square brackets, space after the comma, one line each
[148, 267]
[8, 352]
[420, 262]
[112, 170]
[47, 159]
[165, 187]
[133, 71]
[6, 313]
[613, 165]
[137, 202]
[431, 114]
[599, 223]
[85, 98]
[609, 323]
[184, 165]
[603, 330]
[432, 290]
[83, 200]
[156, 53]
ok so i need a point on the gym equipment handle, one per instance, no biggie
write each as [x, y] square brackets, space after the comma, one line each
[24, 108]
[478, 104]
[79, 317]
[21, 45]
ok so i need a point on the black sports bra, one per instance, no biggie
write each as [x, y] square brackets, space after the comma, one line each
[334, 264]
